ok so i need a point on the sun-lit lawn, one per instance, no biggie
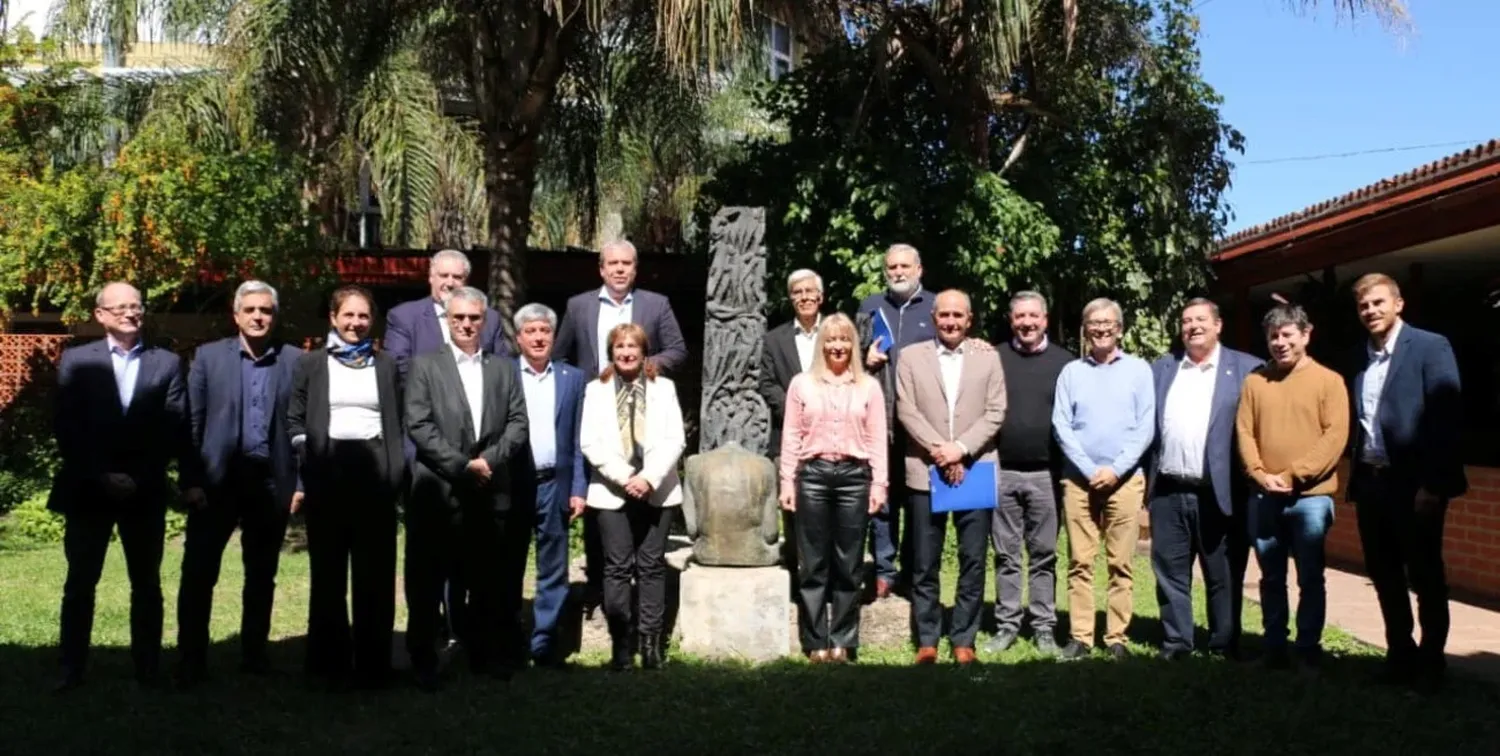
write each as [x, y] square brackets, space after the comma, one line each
[1022, 704]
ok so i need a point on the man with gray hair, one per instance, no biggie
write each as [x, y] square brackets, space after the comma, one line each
[1029, 463]
[418, 327]
[244, 475]
[789, 346]
[1104, 415]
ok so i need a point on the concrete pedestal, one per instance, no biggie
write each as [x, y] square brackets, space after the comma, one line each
[740, 613]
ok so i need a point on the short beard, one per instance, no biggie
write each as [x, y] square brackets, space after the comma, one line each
[903, 289]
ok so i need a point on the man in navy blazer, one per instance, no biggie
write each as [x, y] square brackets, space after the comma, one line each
[1408, 418]
[244, 475]
[554, 468]
[120, 420]
[1195, 486]
[580, 341]
[417, 327]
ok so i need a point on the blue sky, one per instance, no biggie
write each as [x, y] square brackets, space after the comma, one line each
[1304, 85]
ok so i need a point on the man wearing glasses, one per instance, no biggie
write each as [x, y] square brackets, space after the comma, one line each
[789, 351]
[121, 418]
[1104, 415]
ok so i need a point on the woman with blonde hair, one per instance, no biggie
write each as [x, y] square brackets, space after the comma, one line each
[833, 478]
[632, 437]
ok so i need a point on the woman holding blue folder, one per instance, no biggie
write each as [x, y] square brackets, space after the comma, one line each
[833, 477]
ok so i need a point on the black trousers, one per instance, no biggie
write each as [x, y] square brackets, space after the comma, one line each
[833, 511]
[86, 534]
[1186, 522]
[351, 542]
[1404, 548]
[593, 554]
[928, 530]
[475, 540]
[247, 501]
[634, 540]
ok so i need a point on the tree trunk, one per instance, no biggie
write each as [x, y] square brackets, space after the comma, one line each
[510, 163]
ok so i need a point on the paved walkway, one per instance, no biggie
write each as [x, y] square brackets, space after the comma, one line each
[1473, 641]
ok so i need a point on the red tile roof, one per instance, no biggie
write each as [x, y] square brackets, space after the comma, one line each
[1467, 160]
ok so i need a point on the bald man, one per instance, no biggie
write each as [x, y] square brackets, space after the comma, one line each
[121, 418]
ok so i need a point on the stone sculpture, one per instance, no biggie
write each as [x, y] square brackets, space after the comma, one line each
[729, 505]
[734, 333]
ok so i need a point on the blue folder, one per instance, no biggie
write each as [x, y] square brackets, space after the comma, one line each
[979, 489]
[880, 331]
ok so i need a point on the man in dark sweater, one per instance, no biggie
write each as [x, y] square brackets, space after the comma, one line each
[1028, 504]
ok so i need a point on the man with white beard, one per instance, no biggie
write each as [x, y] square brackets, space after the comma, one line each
[888, 322]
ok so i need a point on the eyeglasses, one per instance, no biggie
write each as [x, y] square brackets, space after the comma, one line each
[124, 309]
[1100, 324]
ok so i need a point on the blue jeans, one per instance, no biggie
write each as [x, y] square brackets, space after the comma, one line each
[1281, 525]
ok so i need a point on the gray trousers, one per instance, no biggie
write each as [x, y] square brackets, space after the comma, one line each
[1027, 513]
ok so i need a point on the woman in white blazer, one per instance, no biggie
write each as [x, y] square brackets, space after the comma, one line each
[632, 437]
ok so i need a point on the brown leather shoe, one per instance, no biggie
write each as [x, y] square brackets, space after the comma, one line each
[926, 655]
[818, 656]
[882, 588]
[964, 655]
[838, 656]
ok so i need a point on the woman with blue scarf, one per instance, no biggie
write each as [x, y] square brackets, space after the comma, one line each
[345, 419]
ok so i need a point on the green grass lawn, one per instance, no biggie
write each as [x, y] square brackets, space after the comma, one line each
[1023, 704]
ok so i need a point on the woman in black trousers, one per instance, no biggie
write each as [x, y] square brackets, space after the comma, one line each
[345, 418]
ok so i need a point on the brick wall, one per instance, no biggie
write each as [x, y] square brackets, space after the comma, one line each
[1471, 540]
[24, 357]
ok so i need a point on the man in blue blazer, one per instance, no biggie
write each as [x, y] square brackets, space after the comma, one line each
[580, 341]
[244, 475]
[417, 327]
[120, 420]
[1408, 420]
[1195, 485]
[554, 468]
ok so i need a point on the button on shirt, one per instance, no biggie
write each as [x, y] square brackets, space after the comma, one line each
[951, 367]
[611, 314]
[1372, 451]
[127, 365]
[804, 341]
[471, 375]
[255, 403]
[1184, 423]
[541, 407]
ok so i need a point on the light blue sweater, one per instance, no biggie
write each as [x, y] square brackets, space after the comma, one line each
[1104, 415]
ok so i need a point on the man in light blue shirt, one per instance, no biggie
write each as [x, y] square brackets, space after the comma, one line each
[1104, 416]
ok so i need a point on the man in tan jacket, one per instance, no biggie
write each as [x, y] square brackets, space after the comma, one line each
[950, 398]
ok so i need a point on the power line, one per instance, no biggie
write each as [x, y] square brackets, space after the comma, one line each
[1335, 155]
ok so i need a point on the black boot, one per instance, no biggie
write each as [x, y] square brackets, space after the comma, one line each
[653, 652]
[622, 649]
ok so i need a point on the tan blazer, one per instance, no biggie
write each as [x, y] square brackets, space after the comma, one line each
[922, 405]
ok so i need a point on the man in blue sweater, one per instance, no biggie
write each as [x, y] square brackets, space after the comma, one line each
[1104, 415]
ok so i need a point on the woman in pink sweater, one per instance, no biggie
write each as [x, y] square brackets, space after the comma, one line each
[833, 477]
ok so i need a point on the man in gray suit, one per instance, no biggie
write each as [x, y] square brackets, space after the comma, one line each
[580, 341]
[466, 414]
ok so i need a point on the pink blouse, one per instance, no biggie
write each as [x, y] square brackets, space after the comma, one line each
[834, 418]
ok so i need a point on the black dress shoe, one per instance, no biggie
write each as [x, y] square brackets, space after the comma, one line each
[190, 675]
[1174, 654]
[1277, 659]
[653, 652]
[1074, 650]
[1118, 651]
[70, 680]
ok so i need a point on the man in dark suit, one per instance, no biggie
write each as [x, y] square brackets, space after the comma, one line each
[580, 341]
[1407, 413]
[121, 418]
[1195, 485]
[789, 351]
[417, 327]
[467, 416]
[553, 474]
[244, 474]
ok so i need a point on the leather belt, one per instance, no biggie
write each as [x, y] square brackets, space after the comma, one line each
[545, 474]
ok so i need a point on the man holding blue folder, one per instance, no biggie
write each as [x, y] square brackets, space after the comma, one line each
[950, 399]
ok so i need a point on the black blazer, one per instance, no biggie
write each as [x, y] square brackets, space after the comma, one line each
[778, 365]
[437, 418]
[307, 415]
[97, 436]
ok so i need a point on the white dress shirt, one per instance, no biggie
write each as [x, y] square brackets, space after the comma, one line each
[804, 341]
[541, 409]
[951, 366]
[353, 402]
[127, 364]
[611, 314]
[1184, 420]
[442, 316]
[1372, 451]
[471, 375]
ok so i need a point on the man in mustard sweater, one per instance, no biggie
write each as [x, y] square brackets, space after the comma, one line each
[1293, 425]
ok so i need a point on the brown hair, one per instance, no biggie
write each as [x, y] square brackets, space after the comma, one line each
[1368, 281]
[343, 293]
[1203, 302]
[634, 333]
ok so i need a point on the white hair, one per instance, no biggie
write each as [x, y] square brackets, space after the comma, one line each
[533, 312]
[802, 274]
[455, 256]
[99, 298]
[917, 256]
[469, 294]
[256, 287]
[1105, 303]
[619, 244]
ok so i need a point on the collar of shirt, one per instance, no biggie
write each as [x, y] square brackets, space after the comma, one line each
[269, 355]
[1384, 353]
[116, 348]
[797, 326]
[470, 359]
[1021, 348]
[604, 296]
[944, 351]
[529, 370]
[1208, 364]
[1113, 356]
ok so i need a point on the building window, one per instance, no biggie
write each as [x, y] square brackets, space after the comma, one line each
[779, 49]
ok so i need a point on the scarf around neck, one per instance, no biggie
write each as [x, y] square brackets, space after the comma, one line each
[357, 355]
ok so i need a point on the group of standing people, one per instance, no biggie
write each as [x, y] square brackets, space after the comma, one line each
[1228, 453]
